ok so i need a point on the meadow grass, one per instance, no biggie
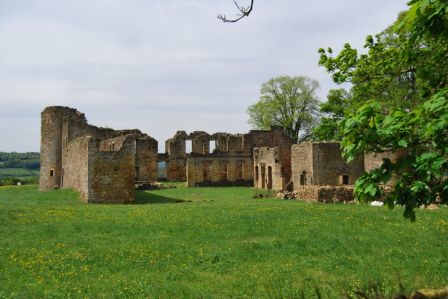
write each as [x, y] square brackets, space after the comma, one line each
[211, 243]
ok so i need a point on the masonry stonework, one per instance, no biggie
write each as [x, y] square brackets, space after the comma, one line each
[100, 163]
[104, 165]
[112, 172]
[232, 160]
[374, 160]
[322, 164]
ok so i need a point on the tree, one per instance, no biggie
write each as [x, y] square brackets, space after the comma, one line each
[400, 103]
[287, 102]
[334, 110]
[243, 12]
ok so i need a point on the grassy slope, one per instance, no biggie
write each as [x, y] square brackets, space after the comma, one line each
[217, 242]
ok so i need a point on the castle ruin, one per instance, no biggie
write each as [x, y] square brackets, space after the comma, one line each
[100, 163]
[104, 165]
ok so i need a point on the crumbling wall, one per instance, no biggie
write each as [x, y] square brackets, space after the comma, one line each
[176, 163]
[375, 160]
[322, 164]
[112, 144]
[330, 168]
[235, 144]
[146, 159]
[112, 172]
[302, 164]
[101, 171]
[221, 140]
[51, 147]
[75, 173]
[325, 194]
[70, 147]
[272, 170]
[175, 146]
[200, 143]
[232, 160]
[275, 137]
[219, 171]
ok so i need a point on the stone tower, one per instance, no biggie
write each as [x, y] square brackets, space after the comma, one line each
[51, 146]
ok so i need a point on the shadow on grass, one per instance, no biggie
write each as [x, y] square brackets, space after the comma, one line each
[142, 197]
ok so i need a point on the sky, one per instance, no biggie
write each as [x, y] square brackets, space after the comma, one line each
[164, 65]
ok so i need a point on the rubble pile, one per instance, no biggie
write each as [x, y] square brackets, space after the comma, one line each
[325, 194]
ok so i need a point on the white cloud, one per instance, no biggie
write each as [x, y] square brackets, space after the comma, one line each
[163, 65]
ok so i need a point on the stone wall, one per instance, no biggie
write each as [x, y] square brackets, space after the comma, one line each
[272, 168]
[176, 169]
[325, 194]
[234, 148]
[322, 164]
[219, 170]
[112, 172]
[75, 173]
[375, 160]
[146, 159]
[100, 172]
[275, 137]
[329, 167]
[113, 144]
[176, 164]
[302, 164]
[72, 151]
[200, 142]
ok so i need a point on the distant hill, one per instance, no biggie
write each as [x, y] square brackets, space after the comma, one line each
[30, 161]
[19, 167]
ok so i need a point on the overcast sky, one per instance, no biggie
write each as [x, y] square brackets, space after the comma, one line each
[163, 65]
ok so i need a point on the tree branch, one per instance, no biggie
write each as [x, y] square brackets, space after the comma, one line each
[244, 12]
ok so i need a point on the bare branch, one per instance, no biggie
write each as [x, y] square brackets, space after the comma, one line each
[244, 12]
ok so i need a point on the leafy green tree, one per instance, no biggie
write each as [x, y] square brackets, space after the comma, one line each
[287, 102]
[400, 99]
[338, 103]
[20, 160]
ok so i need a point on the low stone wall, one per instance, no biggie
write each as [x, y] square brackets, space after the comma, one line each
[325, 194]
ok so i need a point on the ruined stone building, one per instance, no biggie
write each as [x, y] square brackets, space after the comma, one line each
[321, 163]
[272, 167]
[315, 171]
[101, 164]
[104, 165]
[228, 162]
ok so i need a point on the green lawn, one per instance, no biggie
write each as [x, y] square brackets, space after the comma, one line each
[212, 243]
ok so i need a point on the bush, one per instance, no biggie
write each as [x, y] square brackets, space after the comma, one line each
[10, 181]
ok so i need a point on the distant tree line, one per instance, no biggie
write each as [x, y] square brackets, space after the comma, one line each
[30, 160]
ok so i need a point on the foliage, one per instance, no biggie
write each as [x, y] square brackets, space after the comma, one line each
[11, 176]
[287, 102]
[221, 244]
[399, 103]
[29, 160]
[334, 110]
[11, 181]
[421, 176]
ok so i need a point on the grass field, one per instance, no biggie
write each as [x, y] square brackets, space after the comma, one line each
[17, 172]
[211, 243]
